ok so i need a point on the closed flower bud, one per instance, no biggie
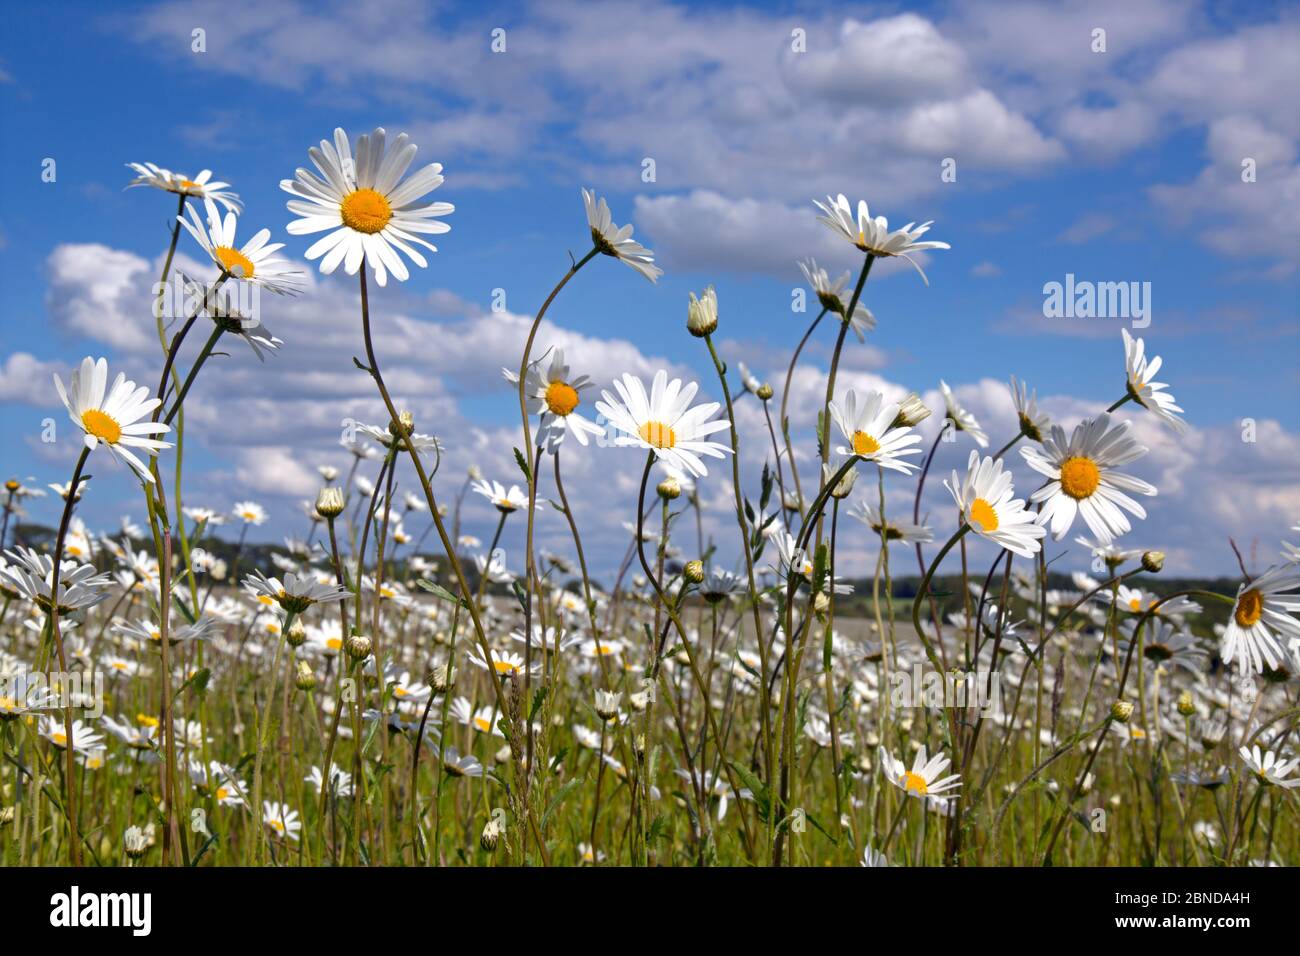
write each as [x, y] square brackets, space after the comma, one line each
[844, 487]
[821, 603]
[1121, 710]
[306, 680]
[296, 634]
[911, 412]
[358, 647]
[440, 678]
[764, 392]
[1186, 705]
[702, 313]
[607, 704]
[669, 489]
[330, 503]
[694, 571]
[491, 835]
[1153, 561]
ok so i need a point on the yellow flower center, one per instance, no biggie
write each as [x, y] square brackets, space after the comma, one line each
[8, 705]
[222, 793]
[658, 435]
[1135, 605]
[482, 724]
[190, 184]
[864, 444]
[234, 262]
[59, 738]
[561, 398]
[400, 692]
[275, 825]
[503, 667]
[365, 211]
[1079, 477]
[334, 643]
[144, 720]
[983, 515]
[913, 783]
[1250, 608]
[101, 426]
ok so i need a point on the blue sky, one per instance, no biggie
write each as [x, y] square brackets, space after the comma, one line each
[1114, 166]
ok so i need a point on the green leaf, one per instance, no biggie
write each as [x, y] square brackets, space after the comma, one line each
[559, 797]
[522, 462]
[756, 787]
[438, 591]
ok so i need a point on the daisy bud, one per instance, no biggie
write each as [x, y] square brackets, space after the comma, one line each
[330, 503]
[1121, 710]
[404, 425]
[669, 489]
[305, 680]
[358, 646]
[440, 678]
[694, 571]
[638, 746]
[764, 392]
[1153, 561]
[821, 604]
[844, 487]
[490, 836]
[6, 816]
[475, 473]
[135, 843]
[702, 314]
[502, 755]
[607, 704]
[296, 635]
[1186, 705]
[639, 701]
[11, 486]
[911, 412]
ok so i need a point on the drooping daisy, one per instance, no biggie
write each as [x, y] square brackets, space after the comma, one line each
[1083, 479]
[1268, 768]
[1033, 423]
[296, 594]
[22, 695]
[962, 420]
[255, 262]
[831, 296]
[117, 416]
[340, 781]
[870, 431]
[371, 216]
[617, 241]
[873, 235]
[923, 779]
[554, 394]
[385, 437]
[893, 530]
[31, 576]
[226, 312]
[1260, 621]
[503, 500]
[1149, 394]
[664, 422]
[985, 497]
[200, 187]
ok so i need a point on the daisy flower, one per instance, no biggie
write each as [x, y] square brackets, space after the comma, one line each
[986, 500]
[296, 594]
[1261, 620]
[340, 781]
[371, 216]
[385, 437]
[962, 419]
[1268, 768]
[200, 187]
[1033, 423]
[254, 262]
[870, 431]
[616, 241]
[116, 416]
[893, 530]
[873, 235]
[923, 779]
[1150, 395]
[503, 662]
[80, 585]
[555, 395]
[664, 422]
[831, 296]
[280, 820]
[21, 696]
[250, 512]
[84, 739]
[1083, 479]
[503, 500]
